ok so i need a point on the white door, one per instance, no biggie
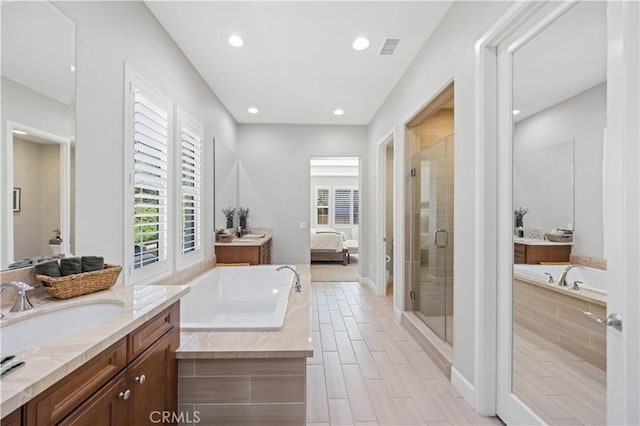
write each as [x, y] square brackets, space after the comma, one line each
[623, 213]
[621, 198]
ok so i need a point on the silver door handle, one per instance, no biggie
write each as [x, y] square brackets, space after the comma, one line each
[613, 320]
[446, 238]
[124, 395]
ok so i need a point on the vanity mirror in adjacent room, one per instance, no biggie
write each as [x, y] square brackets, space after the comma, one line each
[38, 131]
[559, 103]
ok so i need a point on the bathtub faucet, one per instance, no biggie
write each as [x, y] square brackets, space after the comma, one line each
[562, 282]
[298, 284]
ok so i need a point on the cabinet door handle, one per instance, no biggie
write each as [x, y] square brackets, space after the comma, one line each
[446, 238]
[124, 395]
[140, 379]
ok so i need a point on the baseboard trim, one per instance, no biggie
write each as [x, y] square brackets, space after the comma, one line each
[462, 385]
[371, 284]
[397, 314]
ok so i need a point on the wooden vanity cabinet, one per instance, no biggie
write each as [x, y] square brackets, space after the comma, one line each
[534, 254]
[120, 386]
[13, 419]
[240, 253]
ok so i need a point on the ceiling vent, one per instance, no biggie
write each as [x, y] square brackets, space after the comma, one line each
[390, 45]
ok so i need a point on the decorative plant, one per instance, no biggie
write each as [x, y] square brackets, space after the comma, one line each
[243, 213]
[228, 214]
[520, 212]
[519, 216]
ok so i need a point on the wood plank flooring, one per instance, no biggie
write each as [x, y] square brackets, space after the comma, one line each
[560, 387]
[367, 370]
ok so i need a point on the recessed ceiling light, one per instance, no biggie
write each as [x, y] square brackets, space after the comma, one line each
[360, 43]
[253, 110]
[516, 111]
[236, 41]
[72, 68]
[20, 132]
[338, 111]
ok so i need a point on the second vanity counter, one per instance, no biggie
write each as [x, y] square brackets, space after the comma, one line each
[48, 363]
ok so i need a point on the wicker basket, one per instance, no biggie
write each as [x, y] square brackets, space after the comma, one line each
[225, 238]
[79, 284]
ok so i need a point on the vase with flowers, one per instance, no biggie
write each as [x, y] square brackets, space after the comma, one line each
[519, 220]
[242, 215]
[228, 214]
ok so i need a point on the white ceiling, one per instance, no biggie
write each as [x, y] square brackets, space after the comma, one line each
[297, 64]
[565, 59]
[38, 48]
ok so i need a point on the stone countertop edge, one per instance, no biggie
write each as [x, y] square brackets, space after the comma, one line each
[585, 295]
[535, 242]
[47, 364]
[249, 243]
[294, 340]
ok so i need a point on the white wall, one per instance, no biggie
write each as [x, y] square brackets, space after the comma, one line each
[275, 178]
[583, 119]
[108, 34]
[447, 55]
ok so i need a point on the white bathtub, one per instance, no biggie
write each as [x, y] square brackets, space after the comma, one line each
[237, 298]
[594, 279]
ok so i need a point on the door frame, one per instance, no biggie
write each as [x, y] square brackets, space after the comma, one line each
[493, 209]
[380, 274]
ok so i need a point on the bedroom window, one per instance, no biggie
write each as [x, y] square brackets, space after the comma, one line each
[322, 205]
[190, 178]
[345, 206]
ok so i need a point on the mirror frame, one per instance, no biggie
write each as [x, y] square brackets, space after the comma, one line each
[6, 163]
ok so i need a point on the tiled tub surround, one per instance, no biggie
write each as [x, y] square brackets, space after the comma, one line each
[47, 364]
[555, 314]
[249, 377]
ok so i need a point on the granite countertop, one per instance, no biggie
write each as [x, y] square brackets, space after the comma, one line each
[292, 341]
[47, 364]
[537, 242]
[249, 242]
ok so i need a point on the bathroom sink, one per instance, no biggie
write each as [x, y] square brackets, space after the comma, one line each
[46, 327]
[253, 236]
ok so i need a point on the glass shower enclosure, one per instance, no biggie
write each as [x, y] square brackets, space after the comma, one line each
[431, 291]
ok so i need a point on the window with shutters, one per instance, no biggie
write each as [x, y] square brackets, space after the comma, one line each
[190, 139]
[322, 205]
[148, 124]
[345, 206]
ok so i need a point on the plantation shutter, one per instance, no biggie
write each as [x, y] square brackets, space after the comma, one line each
[191, 183]
[342, 206]
[356, 206]
[322, 206]
[151, 180]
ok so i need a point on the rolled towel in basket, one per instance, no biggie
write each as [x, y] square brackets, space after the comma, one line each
[92, 263]
[50, 268]
[70, 266]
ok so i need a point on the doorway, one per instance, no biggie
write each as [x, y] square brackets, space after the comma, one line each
[335, 219]
[507, 224]
[430, 190]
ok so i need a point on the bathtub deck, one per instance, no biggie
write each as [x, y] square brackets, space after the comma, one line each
[292, 341]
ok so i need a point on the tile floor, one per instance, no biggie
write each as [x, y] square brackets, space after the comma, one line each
[367, 370]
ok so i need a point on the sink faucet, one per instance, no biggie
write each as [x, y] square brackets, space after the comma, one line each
[562, 282]
[298, 284]
[22, 302]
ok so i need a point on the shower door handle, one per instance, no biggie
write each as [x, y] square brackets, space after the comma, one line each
[437, 240]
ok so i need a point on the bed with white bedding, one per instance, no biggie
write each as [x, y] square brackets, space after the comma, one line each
[327, 244]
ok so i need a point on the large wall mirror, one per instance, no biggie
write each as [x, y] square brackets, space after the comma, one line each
[559, 99]
[38, 132]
